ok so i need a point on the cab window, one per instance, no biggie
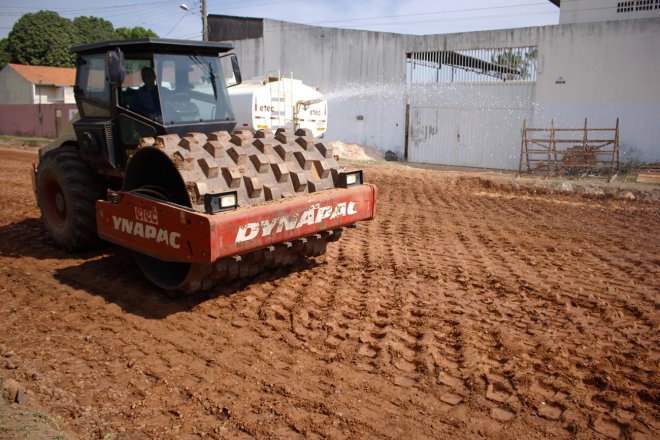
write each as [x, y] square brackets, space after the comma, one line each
[92, 83]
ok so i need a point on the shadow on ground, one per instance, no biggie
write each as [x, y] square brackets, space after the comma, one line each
[117, 278]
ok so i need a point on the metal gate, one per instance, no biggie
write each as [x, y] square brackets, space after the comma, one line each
[471, 111]
[469, 125]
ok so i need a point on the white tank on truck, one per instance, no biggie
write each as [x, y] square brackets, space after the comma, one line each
[278, 102]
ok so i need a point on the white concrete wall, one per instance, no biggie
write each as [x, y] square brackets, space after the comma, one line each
[360, 73]
[323, 57]
[14, 89]
[584, 11]
[371, 114]
[611, 61]
[611, 70]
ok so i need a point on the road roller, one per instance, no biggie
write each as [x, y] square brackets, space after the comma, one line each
[154, 162]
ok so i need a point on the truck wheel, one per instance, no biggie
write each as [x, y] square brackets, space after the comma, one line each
[67, 189]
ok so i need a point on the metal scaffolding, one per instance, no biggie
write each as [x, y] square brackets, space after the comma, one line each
[569, 150]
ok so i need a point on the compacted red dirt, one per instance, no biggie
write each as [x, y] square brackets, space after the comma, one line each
[467, 309]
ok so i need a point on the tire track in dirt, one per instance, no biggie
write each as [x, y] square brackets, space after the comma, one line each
[475, 366]
[466, 309]
[506, 396]
[553, 410]
[405, 348]
[556, 409]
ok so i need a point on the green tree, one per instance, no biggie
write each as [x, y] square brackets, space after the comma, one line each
[136, 32]
[92, 29]
[5, 56]
[42, 38]
[520, 59]
[45, 39]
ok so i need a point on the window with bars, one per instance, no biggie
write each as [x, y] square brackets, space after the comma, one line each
[625, 7]
[644, 5]
[476, 65]
[637, 5]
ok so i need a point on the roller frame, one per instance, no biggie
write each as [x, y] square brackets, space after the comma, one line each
[176, 233]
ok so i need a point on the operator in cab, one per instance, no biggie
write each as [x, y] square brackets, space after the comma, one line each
[146, 100]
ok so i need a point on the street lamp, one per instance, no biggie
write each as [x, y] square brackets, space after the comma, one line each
[205, 26]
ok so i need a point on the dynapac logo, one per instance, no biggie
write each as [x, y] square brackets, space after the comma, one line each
[150, 232]
[314, 215]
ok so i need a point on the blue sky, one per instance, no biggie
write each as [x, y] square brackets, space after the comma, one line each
[418, 17]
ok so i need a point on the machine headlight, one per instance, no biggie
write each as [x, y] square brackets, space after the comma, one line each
[228, 201]
[219, 202]
[350, 178]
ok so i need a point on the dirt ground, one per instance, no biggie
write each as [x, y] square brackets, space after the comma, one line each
[470, 308]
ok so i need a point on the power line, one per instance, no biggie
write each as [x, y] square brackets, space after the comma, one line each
[175, 25]
[288, 26]
[134, 13]
[437, 21]
[452, 11]
[360, 23]
[92, 8]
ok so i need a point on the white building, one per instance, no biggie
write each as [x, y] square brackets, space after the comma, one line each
[21, 84]
[447, 99]
[585, 11]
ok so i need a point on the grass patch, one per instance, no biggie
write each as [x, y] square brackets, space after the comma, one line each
[20, 422]
[9, 139]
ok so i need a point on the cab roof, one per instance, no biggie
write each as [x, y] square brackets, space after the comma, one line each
[155, 45]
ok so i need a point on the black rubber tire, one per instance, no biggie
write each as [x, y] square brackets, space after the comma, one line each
[67, 190]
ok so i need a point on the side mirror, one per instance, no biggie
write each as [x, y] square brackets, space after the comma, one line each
[115, 67]
[236, 70]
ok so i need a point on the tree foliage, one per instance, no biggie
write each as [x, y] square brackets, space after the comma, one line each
[45, 38]
[91, 29]
[125, 33]
[42, 38]
[5, 56]
[522, 60]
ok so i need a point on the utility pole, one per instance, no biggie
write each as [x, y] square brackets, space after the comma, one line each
[205, 24]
